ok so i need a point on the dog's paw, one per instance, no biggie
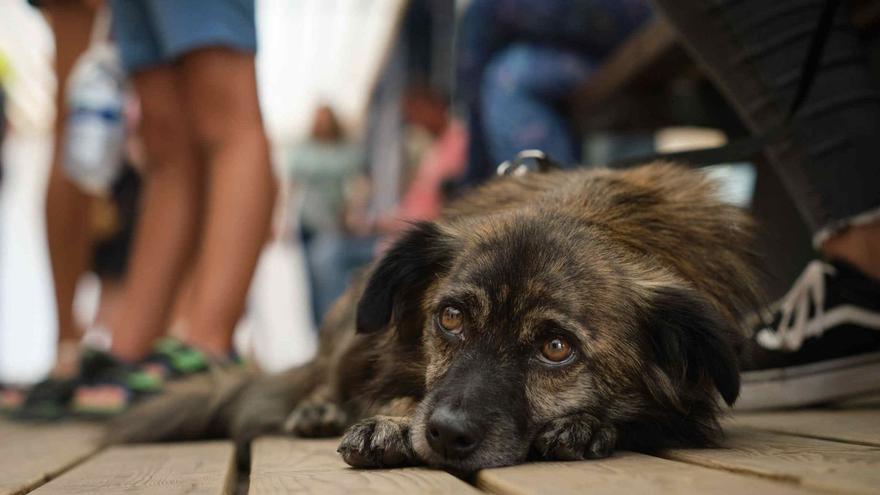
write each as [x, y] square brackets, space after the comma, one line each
[381, 441]
[316, 419]
[576, 437]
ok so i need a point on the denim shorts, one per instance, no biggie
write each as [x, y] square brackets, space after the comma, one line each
[150, 33]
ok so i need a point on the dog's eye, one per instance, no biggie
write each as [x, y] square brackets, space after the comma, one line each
[556, 350]
[451, 319]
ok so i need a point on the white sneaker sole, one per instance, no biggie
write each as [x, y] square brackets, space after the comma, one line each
[808, 384]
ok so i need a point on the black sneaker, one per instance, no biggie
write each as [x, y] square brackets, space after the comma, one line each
[819, 343]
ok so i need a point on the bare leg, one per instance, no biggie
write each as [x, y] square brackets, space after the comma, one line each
[166, 231]
[221, 96]
[67, 208]
[858, 246]
[111, 296]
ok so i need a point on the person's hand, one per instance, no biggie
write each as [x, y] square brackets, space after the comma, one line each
[357, 201]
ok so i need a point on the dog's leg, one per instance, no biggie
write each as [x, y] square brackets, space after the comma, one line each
[319, 415]
[399, 406]
[377, 442]
[576, 437]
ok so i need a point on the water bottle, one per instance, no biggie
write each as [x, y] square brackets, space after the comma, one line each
[95, 129]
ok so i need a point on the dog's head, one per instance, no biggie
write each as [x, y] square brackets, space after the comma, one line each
[526, 318]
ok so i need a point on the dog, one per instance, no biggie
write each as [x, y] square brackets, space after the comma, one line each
[558, 315]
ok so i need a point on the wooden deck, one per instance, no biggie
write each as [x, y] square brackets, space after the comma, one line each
[829, 450]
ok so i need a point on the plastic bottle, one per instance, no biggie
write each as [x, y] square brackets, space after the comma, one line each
[95, 132]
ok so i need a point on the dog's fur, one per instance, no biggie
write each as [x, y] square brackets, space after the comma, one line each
[643, 271]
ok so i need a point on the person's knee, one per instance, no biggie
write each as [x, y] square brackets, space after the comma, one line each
[213, 134]
[510, 71]
[536, 71]
[165, 133]
[222, 99]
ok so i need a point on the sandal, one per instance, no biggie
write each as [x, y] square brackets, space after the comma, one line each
[109, 386]
[48, 400]
[174, 359]
[11, 398]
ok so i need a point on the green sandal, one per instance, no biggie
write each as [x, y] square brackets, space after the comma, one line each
[109, 386]
[178, 359]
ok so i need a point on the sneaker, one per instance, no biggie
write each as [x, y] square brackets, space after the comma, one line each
[822, 343]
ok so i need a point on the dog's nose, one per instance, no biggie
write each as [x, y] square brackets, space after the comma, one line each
[452, 433]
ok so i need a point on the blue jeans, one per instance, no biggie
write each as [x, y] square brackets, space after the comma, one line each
[829, 157]
[332, 258]
[519, 101]
[519, 60]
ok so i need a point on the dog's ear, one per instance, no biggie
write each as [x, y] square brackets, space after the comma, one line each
[693, 345]
[400, 278]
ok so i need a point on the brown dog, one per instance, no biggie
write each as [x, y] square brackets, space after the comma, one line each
[561, 315]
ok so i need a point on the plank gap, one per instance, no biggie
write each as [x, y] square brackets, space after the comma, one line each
[33, 455]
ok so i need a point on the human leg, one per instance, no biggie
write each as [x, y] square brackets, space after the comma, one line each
[167, 227]
[589, 27]
[822, 341]
[522, 91]
[220, 84]
[164, 238]
[67, 207]
[754, 50]
[859, 246]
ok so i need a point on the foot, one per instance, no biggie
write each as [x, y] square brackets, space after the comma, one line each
[48, 400]
[378, 442]
[576, 437]
[819, 343]
[316, 419]
[11, 398]
[108, 387]
[172, 359]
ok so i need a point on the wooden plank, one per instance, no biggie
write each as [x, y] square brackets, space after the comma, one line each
[192, 468]
[820, 464]
[32, 454]
[286, 465]
[625, 472]
[860, 426]
[870, 401]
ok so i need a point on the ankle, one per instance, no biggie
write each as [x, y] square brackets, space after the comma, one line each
[129, 352]
[212, 336]
[216, 348]
[67, 359]
[858, 246]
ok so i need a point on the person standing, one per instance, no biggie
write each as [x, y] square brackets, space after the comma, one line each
[207, 198]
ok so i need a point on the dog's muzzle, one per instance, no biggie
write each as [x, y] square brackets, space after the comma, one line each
[453, 433]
